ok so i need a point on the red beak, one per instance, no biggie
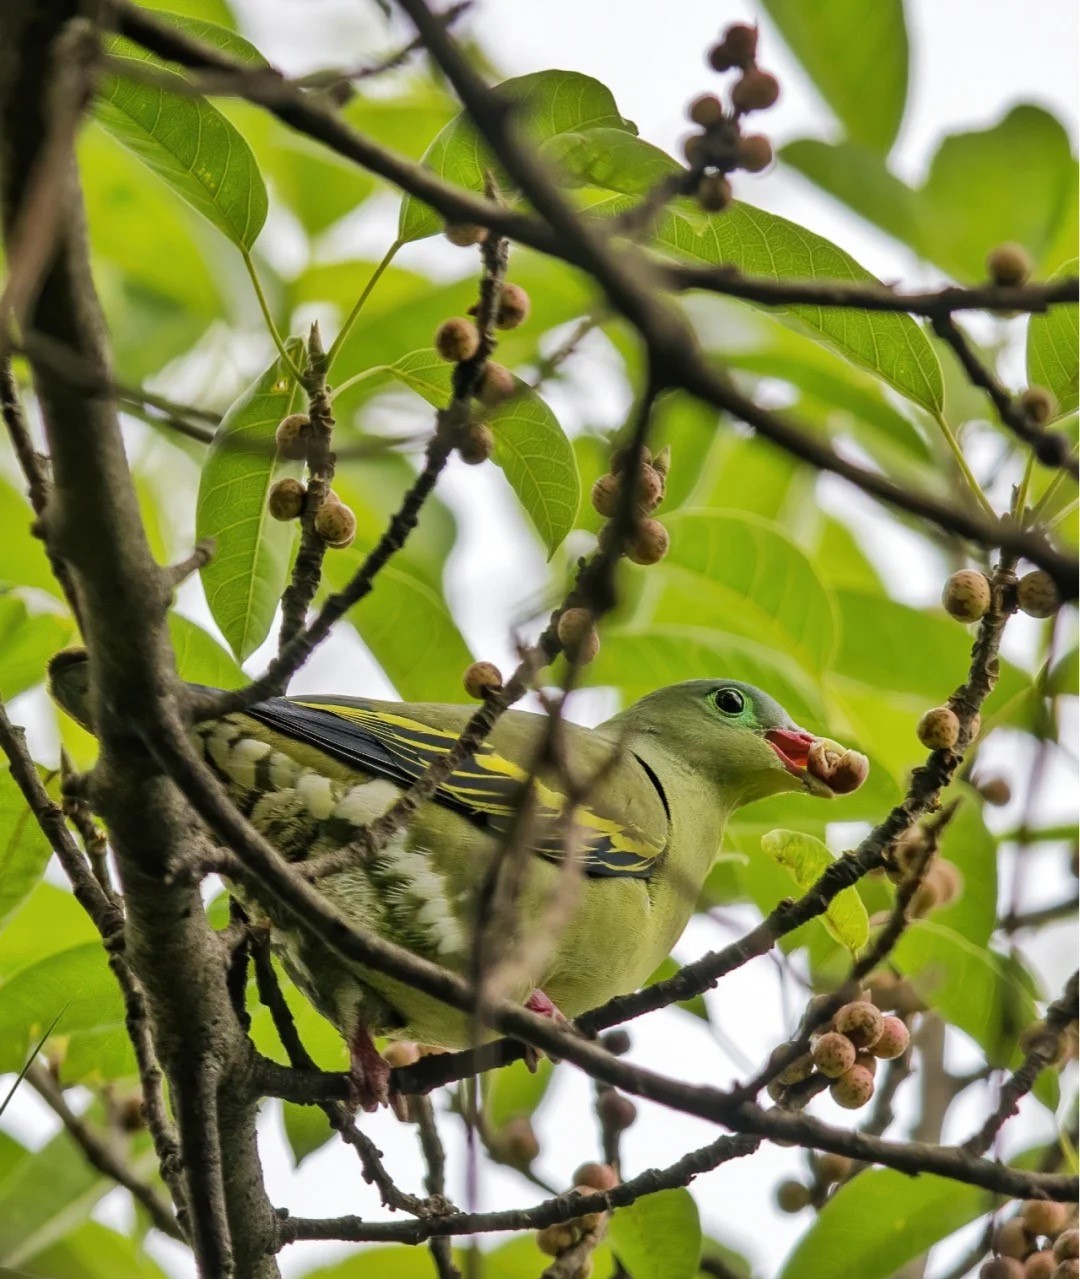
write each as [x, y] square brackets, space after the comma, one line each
[793, 747]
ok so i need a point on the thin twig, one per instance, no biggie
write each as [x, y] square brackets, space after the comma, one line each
[1042, 1053]
[421, 1109]
[729, 280]
[552, 1211]
[307, 567]
[1052, 448]
[1014, 921]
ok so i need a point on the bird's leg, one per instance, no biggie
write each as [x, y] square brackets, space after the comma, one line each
[540, 1004]
[369, 1069]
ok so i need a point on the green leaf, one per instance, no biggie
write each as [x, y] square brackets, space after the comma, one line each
[24, 850]
[100, 1054]
[322, 1040]
[844, 400]
[405, 303]
[745, 478]
[735, 1264]
[407, 626]
[514, 1090]
[51, 1192]
[75, 982]
[200, 27]
[373, 489]
[1064, 676]
[1053, 342]
[857, 55]
[530, 445]
[967, 843]
[743, 575]
[27, 641]
[320, 187]
[764, 244]
[24, 562]
[306, 1130]
[93, 1251]
[48, 920]
[695, 1005]
[120, 203]
[859, 178]
[244, 579]
[884, 644]
[216, 11]
[968, 985]
[395, 1262]
[519, 1258]
[880, 1220]
[841, 560]
[186, 141]
[199, 657]
[609, 158]
[658, 1236]
[547, 104]
[963, 209]
[639, 660]
[806, 859]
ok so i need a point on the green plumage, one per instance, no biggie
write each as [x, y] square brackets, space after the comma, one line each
[310, 772]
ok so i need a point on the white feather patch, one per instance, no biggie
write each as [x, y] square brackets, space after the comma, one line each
[284, 770]
[450, 942]
[427, 886]
[362, 803]
[242, 760]
[407, 864]
[317, 794]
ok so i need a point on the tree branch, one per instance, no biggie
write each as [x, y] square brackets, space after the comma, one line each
[731, 282]
[92, 523]
[548, 1213]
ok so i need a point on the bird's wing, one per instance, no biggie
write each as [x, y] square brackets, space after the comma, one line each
[621, 829]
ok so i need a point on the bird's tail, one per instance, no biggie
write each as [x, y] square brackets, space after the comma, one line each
[69, 684]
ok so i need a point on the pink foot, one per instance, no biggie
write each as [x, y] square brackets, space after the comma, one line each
[540, 1004]
[370, 1071]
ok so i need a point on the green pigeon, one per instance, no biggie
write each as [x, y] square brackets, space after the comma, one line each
[660, 781]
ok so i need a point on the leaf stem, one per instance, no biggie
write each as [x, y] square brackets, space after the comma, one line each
[1048, 493]
[1022, 489]
[264, 306]
[357, 377]
[350, 319]
[1064, 514]
[965, 470]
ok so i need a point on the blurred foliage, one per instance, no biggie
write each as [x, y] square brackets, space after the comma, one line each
[771, 578]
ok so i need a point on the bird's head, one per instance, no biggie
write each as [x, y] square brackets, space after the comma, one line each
[740, 740]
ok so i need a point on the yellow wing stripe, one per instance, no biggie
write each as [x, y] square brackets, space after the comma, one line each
[488, 784]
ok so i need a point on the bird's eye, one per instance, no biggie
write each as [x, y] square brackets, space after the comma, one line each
[729, 700]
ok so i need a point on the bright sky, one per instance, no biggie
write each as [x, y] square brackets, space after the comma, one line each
[971, 60]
